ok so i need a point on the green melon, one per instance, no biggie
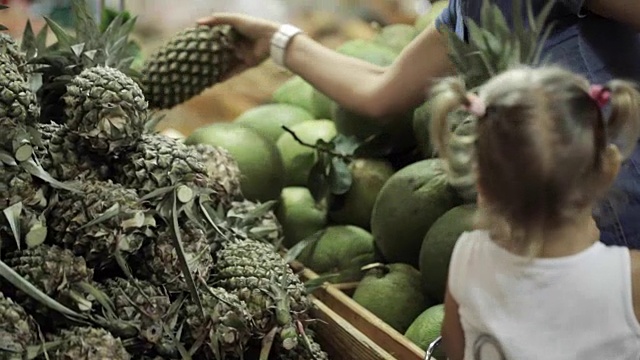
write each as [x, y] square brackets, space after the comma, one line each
[321, 105]
[368, 51]
[258, 158]
[296, 91]
[437, 246]
[421, 121]
[355, 207]
[299, 215]
[427, 328]
[396, 36]
[298, 159]
[340, 247]
[268, 119]
[392, 293]
[408, 204]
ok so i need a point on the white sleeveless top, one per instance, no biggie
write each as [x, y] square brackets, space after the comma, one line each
[576, 307]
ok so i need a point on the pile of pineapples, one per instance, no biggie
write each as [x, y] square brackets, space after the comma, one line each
[120, 243]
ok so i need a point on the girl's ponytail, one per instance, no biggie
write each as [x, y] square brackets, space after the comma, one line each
[447, 96]
[623, 127]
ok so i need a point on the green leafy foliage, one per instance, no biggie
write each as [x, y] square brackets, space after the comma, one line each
[493, 47]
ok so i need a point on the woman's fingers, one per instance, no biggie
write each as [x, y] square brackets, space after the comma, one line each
[219, 19]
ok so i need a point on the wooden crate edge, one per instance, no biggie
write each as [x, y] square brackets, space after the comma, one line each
[341, 339]
[363, 320]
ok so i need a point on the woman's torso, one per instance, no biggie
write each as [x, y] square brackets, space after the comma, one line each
[575, 307]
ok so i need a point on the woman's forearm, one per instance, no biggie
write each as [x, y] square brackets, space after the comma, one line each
[367, 88]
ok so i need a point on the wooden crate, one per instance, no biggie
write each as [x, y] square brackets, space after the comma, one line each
[386, 342]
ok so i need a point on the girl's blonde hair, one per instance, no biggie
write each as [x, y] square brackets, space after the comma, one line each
[543, 149]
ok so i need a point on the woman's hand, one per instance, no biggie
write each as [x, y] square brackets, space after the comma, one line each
[254, 46]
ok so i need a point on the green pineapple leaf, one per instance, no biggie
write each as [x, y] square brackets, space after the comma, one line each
[493, 46]
[86, 28]
[25, 286]
[64, 39]
[12, 214]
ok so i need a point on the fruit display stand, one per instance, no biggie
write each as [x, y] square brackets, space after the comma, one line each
[385, 342]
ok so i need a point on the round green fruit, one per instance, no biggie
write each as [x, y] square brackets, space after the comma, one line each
[320, 105]
[355, 207]
[426, 328]
[339, 248]
[297, 158]
[396, 36]
[295, 91]
[437, 247]
[408, 204]
[299, 215]
[421, 123]
[392, 293]
[258, 158]
[268, 119]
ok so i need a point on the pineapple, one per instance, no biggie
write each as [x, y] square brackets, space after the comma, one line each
[258, 219]
[302, 352]
[226, 326]
[23, 201]
[85, 82]
[123, 230]
[64, 155]
[222, 168]
[53, 270]
[158, 161]
[17, 328]
[105, 107]
[139, 306]
[85, 343]
[159, 261]
[191, 61]
[258, 275]
[19, 111]
[10, 47]
[18, 102]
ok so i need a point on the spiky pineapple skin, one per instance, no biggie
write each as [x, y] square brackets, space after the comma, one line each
[300, 352]
[140, 304]
[158, 161]
[98, 243]
[226, 320]
[191, 61]
[159, 262]
[222, 168]
[18, 329]
[10, 47]
[265, 227]
[105, 107]
[53, 270]
[64, 155]
[252, 269]
[19, 188]
[17, 101]
[85, 343]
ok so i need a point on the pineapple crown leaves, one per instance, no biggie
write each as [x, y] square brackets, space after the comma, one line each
[89, 45]
[494, 47]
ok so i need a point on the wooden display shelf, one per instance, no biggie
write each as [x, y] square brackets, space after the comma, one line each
[372, 338]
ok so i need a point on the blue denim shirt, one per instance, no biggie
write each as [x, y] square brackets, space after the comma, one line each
[600, 49]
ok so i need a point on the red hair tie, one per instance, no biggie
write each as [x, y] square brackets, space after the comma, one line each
[600, 94]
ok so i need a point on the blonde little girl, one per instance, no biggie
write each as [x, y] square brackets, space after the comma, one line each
[534, 278]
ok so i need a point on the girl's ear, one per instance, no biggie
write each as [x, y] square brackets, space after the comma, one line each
[611, 160]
